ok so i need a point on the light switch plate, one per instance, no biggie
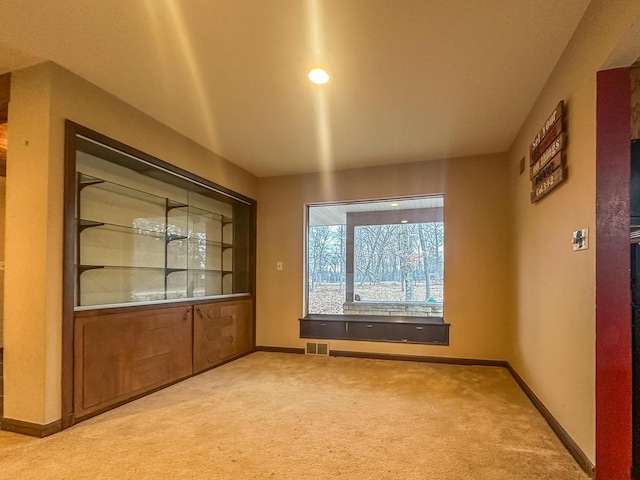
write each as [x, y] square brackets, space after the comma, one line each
[580, 239]
[278, 265]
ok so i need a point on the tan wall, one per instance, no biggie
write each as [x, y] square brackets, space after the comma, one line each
[3, 188]
[476, 249]
[554, 317]
[33, 248]
[42, 98]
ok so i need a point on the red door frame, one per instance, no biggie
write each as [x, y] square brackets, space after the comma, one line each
[613, 298]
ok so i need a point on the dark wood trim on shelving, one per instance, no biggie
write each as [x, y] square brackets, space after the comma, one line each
[30, 429]
[576, 452]
[68, 273]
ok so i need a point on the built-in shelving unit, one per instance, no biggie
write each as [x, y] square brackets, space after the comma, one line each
[159, 274]
[165, 248]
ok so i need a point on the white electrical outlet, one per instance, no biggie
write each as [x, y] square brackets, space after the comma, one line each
[580, 239]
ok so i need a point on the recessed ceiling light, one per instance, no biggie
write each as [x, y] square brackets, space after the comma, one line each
[394, 204]
[319, 76]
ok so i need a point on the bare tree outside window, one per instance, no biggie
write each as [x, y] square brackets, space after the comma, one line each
[400, 262]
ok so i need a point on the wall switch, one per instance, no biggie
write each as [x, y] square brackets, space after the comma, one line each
[278, 265]
[580, 239]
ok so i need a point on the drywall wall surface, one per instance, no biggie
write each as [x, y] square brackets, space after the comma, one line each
[43, 97]
[3, 189]
[76, 99]
[33, 247]
[554, 287]
[476, 249]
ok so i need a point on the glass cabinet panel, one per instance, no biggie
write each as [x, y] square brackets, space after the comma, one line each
[146, 234]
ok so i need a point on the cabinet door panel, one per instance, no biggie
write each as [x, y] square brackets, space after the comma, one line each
[119, 356]
[437, 334]
[325, 330]
[221, 331]
[370, 331]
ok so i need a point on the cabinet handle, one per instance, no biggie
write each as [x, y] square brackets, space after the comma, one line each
[369, 325]
[323, 324]
[187, 312]
[199, 313]
[419, 328]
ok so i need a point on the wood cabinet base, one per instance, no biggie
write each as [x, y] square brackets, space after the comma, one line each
[220, 331]
[121, 355]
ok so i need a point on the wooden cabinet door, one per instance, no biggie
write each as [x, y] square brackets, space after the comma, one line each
[221, 331]
[323, 329]
[122, 355]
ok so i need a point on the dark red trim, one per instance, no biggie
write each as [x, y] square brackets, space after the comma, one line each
[613, 296]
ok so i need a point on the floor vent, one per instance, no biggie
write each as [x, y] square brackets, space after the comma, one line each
[317, 348]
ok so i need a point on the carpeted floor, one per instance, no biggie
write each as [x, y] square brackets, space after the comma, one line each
[284, 416]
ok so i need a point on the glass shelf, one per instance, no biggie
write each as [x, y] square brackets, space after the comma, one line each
[85, 268]
[169, 270]
[115, 188]
[201, 212]
[135, 245]
[84, 224]
[212, 243]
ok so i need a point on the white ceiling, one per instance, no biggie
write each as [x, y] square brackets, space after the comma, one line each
[411, 79]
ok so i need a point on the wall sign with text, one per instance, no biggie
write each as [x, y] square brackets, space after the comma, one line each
[546, 156]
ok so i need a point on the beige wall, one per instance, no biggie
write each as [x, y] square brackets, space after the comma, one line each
[476, 251]
[42, 98]
[33, 242]
[3, 188]
[554, 298]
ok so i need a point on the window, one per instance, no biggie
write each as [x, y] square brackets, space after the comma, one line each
[376, 257]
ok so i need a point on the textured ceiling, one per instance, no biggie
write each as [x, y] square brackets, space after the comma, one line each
[411, 79]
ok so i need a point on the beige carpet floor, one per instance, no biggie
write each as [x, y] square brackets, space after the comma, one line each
[284, 416]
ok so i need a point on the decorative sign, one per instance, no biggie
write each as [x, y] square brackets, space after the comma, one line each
[558, 176]
[546, 156]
